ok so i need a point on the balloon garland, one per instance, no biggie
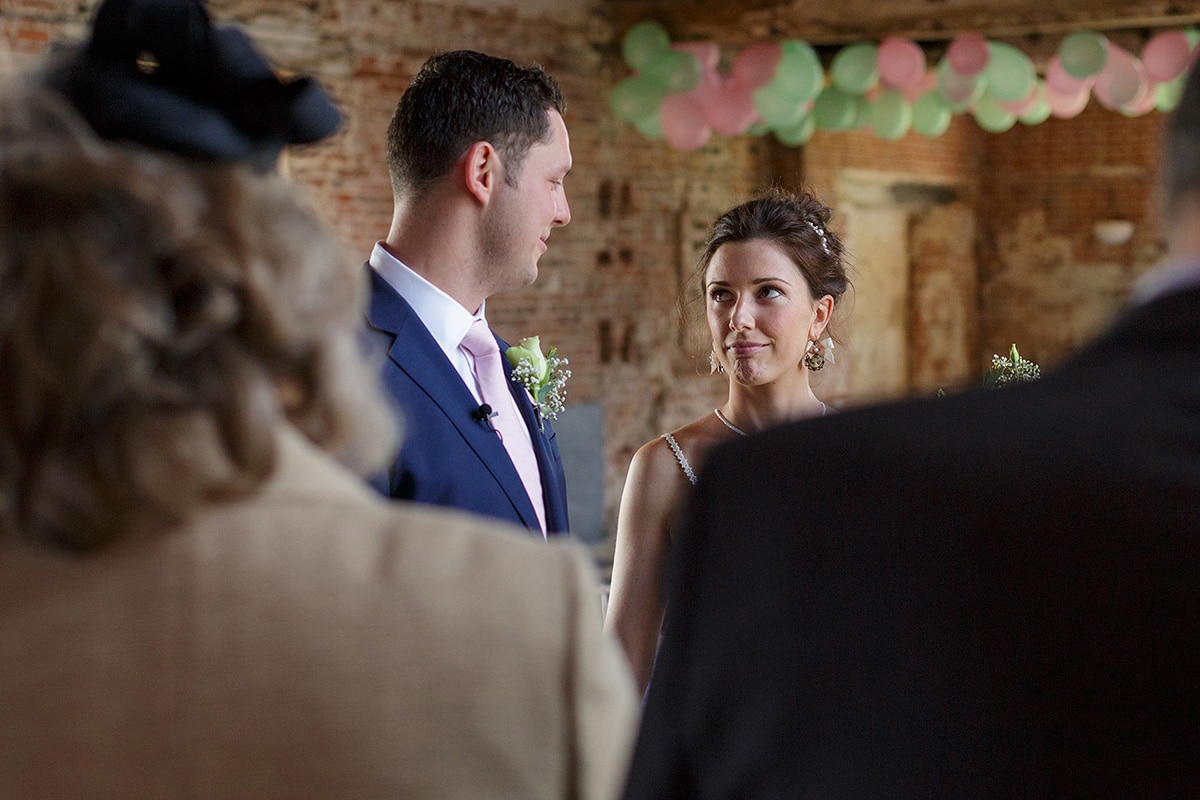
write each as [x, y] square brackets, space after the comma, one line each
[679, 94]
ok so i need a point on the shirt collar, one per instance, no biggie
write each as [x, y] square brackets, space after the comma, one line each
[444, 316]
[1170, 277]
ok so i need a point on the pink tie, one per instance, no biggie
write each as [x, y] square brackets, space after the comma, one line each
[506, 419]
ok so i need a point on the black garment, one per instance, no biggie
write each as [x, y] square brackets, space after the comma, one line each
[159, 74]
[989, 595]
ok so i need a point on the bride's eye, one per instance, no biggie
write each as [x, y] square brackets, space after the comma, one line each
[718, 295]
[768, 292]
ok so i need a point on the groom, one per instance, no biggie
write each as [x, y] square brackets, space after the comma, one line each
[477, 152]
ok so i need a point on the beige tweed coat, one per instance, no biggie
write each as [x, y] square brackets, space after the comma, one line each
[314, 641]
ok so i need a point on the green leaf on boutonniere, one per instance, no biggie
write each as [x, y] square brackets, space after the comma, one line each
[1010, 369]
[543, 376]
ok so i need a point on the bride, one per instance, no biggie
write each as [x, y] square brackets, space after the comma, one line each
[771, 274]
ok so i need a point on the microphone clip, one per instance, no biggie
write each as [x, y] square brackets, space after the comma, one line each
[484, 415]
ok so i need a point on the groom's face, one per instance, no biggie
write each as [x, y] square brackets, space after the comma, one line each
[527, 209]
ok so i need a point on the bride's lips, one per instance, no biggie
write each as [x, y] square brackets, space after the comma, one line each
[745, 348]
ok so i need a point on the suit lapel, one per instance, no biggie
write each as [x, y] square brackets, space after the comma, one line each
[417, 354]
[541, 448]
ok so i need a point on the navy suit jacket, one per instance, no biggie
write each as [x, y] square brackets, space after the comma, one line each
[449, 457]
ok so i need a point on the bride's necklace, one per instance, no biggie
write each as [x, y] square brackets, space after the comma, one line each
[739, 431]
[727, 423]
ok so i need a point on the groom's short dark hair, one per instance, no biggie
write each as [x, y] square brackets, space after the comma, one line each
[464, 97]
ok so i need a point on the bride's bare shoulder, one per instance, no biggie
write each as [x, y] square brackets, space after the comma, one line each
[657, 458]
[700, 434]
[654, 459]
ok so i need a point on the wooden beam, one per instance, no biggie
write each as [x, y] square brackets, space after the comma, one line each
[735, 24]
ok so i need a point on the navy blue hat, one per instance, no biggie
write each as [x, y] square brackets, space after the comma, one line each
[157, 72]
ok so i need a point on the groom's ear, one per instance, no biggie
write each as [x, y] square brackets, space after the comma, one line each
[482, 170]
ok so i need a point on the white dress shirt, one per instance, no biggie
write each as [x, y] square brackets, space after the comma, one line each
[444, 317]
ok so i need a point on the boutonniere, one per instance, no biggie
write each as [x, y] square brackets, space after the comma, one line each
[1005, 370]
[543, 376]
[1010, 369]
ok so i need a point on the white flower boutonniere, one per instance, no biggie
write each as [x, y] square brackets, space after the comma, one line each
[543, 376]
[1010, 369]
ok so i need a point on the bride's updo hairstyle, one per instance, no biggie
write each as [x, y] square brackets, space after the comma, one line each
[796, 223]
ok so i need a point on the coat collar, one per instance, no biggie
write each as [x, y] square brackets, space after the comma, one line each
[415, 352]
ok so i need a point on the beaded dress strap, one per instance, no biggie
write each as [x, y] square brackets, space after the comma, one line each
[681, 458]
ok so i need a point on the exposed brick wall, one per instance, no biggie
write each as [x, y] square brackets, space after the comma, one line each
[903, 210]
[1047, 284]
[1029, 271]
[953, 155]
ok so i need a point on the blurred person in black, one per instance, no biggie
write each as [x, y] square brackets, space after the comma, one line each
[988, 595]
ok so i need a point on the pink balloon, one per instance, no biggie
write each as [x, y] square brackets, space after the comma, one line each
[968, 54]
[1021, 107]
[683, 123]
[1143, 104]
[707, 53]
[1060, 80]
[755, 66]
[926, 84]
[1166, 56]
[730, 109]
[1122, 81]
[958, 88]
[708, 91]
[901, 62]
[1068, 105]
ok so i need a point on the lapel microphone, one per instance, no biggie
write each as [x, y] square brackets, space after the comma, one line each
[484, 414]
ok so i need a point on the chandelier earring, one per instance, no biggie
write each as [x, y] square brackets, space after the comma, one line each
[814, 355]
[714, 365]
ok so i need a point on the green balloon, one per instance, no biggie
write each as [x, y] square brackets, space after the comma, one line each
[1083, 54]
[834, 110]
[855, 68]
[674, 69]
[634, 99]
[799, 73]
[1010, 74]
[1041, 109]
[1193, 37]
[993, 117]
[777, 108]
[1166, 95]
[862, 111]
[650, 127]
[643, 42]
[930, 116]
[758, 129]
[891, 116]
[799, 133]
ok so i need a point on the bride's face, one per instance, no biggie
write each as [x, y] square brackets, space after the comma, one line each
[760, 311]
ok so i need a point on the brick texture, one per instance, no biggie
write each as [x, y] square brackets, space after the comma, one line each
[997, 228]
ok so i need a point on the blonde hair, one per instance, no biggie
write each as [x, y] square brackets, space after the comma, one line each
[158, 325]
